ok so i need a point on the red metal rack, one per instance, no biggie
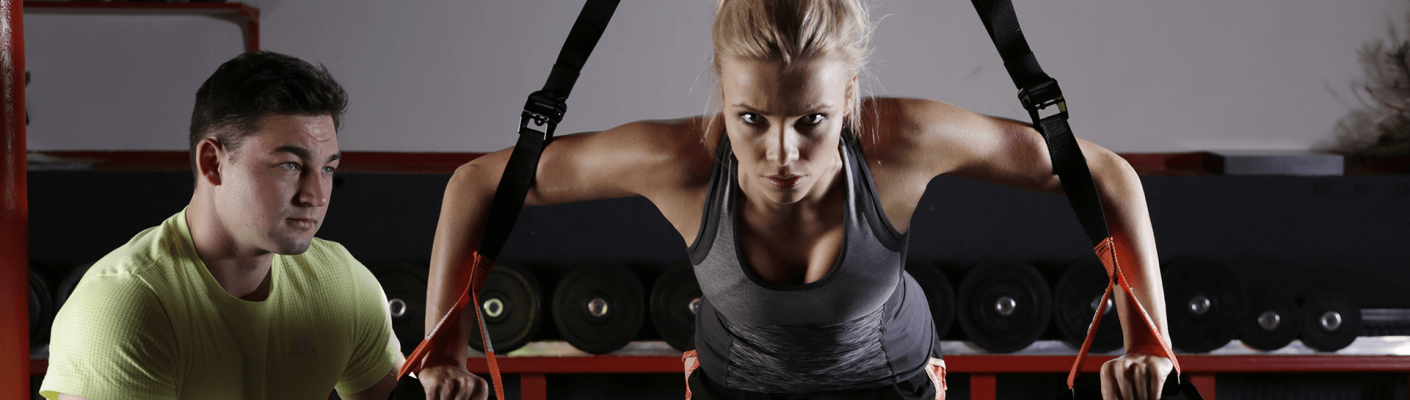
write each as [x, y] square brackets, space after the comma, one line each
[982, 369]
[245, 15]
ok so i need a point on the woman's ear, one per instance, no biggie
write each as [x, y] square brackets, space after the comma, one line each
[210, 156]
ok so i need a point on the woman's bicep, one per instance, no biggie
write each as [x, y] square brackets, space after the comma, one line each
[993, 149]
[620, 162]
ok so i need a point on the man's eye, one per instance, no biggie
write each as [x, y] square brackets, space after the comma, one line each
[289, 166]
[329, 170]
[749, 118]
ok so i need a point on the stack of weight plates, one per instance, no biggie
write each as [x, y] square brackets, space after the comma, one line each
[511, 302]
[938, 291]
[1076, 297]
[1330, 321]
[1005, 305]
[599, 307]
[675, 299]
[1273, 320]
[1205, 304]
[404, 283]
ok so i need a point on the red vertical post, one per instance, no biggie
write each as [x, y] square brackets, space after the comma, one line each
[983, 387]
[533, 387]
[1205, 384]
[14, 210]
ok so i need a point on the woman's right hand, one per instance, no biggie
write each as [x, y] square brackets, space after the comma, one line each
[452, 382]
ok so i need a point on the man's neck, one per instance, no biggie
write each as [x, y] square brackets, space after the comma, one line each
[243, 272]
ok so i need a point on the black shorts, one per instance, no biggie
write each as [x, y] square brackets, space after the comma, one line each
[919, 387]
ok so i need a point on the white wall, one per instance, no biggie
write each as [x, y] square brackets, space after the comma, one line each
[451, 76]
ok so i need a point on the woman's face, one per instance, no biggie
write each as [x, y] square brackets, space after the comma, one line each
[784, 124]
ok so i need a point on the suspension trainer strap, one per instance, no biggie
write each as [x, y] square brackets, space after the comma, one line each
[1043, 100]
[542, 113]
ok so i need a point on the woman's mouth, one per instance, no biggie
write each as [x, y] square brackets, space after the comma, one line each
[784, 181]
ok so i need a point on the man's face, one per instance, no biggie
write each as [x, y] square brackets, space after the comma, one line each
[275, 186]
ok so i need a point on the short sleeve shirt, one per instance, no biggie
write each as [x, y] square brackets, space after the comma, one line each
[149, 321]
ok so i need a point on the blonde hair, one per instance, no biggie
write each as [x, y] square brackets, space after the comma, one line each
[794, 32]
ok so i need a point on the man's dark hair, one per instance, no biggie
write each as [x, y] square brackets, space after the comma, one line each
[243, 90]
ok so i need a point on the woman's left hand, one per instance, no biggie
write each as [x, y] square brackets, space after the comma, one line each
[1137, 375]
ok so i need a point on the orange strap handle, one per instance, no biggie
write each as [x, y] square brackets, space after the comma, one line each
[418, 360]
[1106, 251]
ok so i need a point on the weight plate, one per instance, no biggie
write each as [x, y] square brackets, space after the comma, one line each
[70, 282]
[1075, 299]
[1204, 303]
[404, 283]
[1273, 320]
[512, 304]
[1330, 320]
[598, 307]
[675, 298]
[1004, 305]
[938, 291]
[41, 309]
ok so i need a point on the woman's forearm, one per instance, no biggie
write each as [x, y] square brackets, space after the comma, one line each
[464, 208]
[1124, 203]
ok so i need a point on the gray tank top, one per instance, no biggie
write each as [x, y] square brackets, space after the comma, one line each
[866, 323]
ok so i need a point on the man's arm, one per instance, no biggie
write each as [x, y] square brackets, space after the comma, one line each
[378, 391]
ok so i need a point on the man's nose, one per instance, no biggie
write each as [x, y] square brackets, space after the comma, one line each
[314, 189]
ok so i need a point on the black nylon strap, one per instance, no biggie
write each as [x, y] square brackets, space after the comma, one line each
[1039, 91]
[541, 115]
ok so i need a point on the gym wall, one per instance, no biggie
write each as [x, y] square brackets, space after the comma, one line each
[1142, 76]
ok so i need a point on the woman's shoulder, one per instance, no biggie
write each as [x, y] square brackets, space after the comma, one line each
[681, 149]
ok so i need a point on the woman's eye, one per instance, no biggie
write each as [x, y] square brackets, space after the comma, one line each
[812, 119]
[749, 118]
[289, 166]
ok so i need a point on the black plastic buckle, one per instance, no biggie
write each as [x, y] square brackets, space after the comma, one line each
[1042, 96]
[541, 109]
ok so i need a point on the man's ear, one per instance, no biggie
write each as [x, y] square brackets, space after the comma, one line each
[210, 156]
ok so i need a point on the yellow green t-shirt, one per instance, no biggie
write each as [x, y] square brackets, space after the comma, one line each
[148, 321]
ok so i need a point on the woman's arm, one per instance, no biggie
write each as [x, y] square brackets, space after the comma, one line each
[643, 158]
[935, 138]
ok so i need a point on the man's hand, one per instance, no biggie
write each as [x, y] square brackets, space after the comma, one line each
[1138, 375]
[454, 382]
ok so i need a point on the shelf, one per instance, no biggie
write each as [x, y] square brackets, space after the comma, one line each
[245, 15]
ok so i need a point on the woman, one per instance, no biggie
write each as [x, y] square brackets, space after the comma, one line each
[794, 201]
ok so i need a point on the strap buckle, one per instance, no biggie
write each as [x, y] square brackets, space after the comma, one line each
[541, 109]
[1041, 96]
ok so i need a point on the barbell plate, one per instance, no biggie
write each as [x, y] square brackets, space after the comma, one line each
[675, 298]
[512, 304]
[1004, 305]
[599, 307]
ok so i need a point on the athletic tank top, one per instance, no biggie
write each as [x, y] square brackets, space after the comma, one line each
[866, 323]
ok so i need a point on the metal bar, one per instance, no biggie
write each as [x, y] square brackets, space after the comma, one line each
[251, 15]
[980, 364]
[14, 210]
[533, 387]
[983, 387]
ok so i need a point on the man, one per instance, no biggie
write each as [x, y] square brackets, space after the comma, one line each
[233, 297]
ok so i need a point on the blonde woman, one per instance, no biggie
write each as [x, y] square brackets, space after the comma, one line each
[795, 201]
